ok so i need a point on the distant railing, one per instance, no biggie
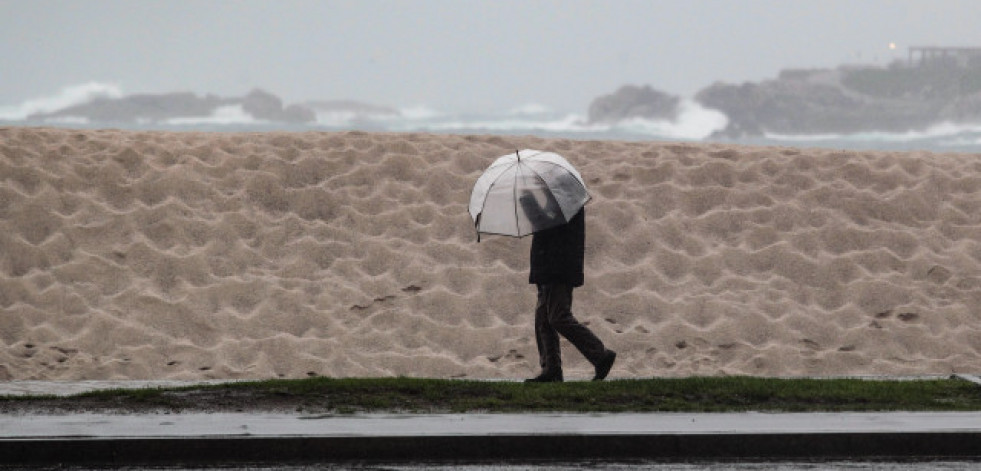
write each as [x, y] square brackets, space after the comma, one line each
[961, 56]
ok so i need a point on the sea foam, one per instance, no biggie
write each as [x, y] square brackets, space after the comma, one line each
[66, 97]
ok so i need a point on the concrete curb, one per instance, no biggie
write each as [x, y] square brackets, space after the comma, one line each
[243, 438]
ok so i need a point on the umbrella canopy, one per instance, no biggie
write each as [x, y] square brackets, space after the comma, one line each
[526, 192]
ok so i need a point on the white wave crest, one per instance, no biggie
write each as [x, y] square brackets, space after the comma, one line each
[336, 118]
[346, 118]
[694, 121]
[568, 123]
[530, 109]
[66, 97]
[68, 120]
[231, 114]
[939, 130]
[420, 112]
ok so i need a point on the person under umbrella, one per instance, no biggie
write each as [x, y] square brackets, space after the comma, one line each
[542, 194]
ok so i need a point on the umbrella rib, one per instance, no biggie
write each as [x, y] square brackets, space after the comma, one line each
[545, 184]
[537, 175]
[514, 189]
[484, 202]
[489, 186]
[560, 166]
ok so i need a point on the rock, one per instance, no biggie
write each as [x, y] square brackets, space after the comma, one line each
[846, 100]
[142, 107]
[788, 107]
[161, 107]
[262, 105]
[298, 114]
[966, 109]
[631, 101]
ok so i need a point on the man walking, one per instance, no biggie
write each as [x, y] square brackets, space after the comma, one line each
[557, 257]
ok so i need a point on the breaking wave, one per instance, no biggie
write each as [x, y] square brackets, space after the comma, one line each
[530, 109]
[223, 115]
[65, 98]
[693, 122]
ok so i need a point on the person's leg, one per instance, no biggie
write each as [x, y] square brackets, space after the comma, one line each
[549, 353]
[560, 318]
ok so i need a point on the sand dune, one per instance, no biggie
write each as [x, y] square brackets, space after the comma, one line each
[154, 255]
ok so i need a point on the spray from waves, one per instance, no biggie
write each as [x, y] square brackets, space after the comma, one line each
[530, 109]
[499, 123]
[66, 97]
[692, 123]
[373, 118]
[223, 115]
[420, 112]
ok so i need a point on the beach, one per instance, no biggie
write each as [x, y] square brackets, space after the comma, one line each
[151, 255]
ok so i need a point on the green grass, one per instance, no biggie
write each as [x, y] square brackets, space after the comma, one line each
[699, 394]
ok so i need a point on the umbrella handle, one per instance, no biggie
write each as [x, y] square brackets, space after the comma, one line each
[476, 226]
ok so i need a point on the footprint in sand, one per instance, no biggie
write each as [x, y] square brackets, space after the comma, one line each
[908, 316]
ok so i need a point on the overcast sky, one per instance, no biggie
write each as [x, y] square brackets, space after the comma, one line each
[452, 55]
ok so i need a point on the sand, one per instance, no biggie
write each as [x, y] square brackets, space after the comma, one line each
[192, 256]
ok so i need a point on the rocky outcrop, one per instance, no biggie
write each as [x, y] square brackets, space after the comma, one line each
[849, 99]
[142, 108]
[264, 105]
[843, 100]
[802, 108]
[964, 109]
[632, 101]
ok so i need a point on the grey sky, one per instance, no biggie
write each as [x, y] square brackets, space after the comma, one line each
[453, 55]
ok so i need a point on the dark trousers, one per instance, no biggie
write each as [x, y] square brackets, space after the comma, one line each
[553, 317]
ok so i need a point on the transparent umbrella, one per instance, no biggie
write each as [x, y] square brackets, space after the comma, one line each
[526, 192]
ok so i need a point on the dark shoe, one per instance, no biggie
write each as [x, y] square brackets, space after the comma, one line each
[604, 365]
[547, 377]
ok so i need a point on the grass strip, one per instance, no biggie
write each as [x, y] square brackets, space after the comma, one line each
[417, 395]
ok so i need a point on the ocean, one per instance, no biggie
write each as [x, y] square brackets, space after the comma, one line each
[694, 123]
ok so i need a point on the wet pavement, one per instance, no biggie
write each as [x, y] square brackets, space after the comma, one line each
[881, 441]
[578, 466]
[68, 388]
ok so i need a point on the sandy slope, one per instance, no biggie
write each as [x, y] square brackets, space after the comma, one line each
[152, 255]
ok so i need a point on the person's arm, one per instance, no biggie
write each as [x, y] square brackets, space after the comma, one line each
[540, 216]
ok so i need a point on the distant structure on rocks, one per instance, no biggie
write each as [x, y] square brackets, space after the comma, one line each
[920, 56]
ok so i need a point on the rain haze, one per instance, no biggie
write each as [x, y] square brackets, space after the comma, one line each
[460, 56]
[242, 189]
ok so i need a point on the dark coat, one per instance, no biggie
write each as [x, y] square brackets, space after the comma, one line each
[557, 254]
